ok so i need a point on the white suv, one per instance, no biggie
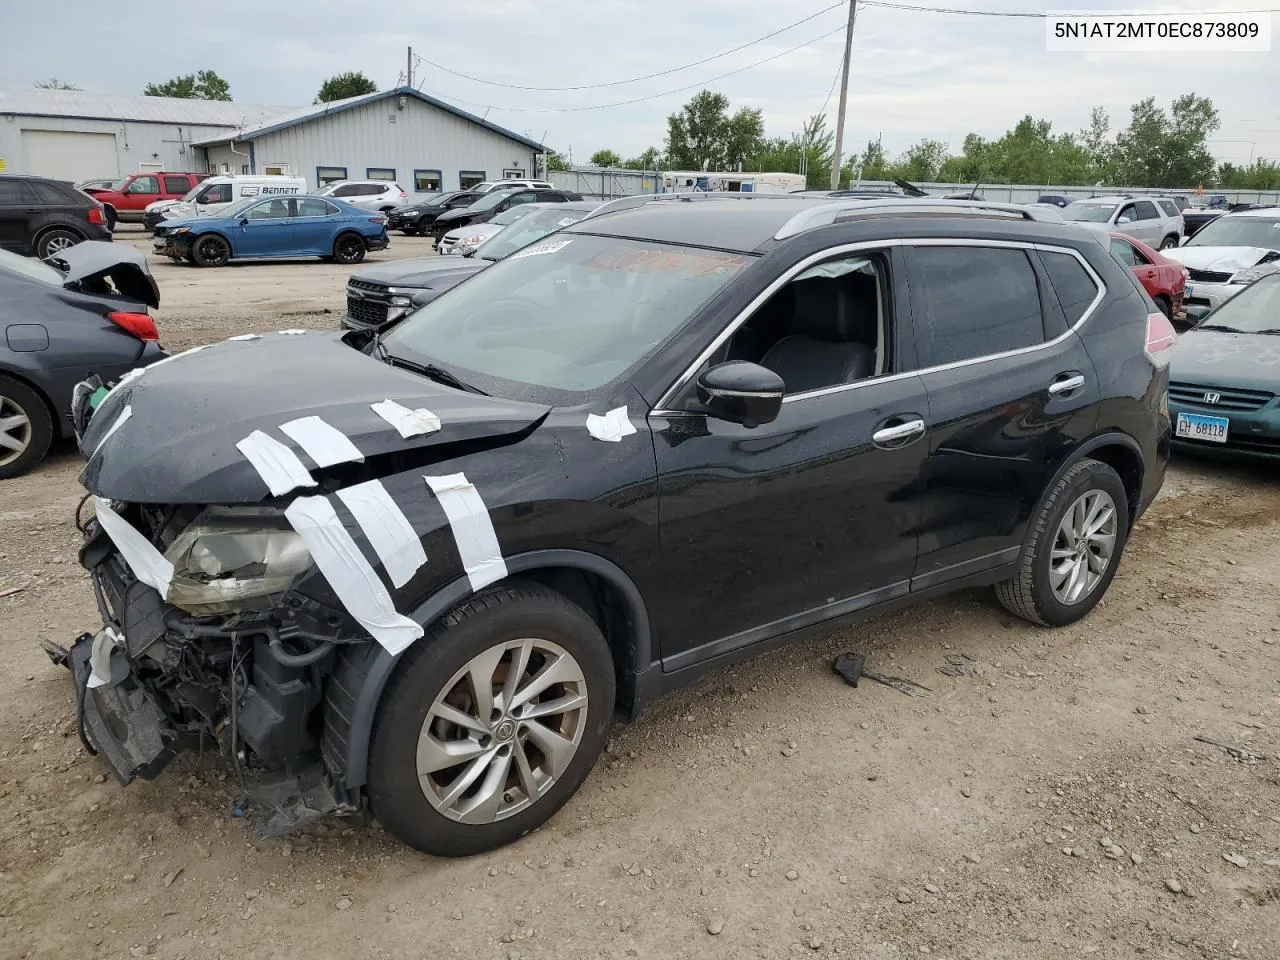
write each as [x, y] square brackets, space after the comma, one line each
[509, 184]
[1156, 221]
[380, 195]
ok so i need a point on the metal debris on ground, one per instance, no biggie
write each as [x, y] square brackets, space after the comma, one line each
[958, 665]
[851, 667]
[1236, 753]
[10, 591]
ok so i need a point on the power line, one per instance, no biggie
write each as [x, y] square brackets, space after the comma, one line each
[1014, 15]
[619, 83]
[655, 96]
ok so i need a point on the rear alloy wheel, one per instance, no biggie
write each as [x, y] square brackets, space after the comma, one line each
[348, 248]
[55, 241]
[1169, 242]
[26, 430]
[491, 722]
[210, 250]
[1074, 546]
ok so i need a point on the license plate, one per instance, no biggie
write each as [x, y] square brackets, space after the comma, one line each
[1193, 426]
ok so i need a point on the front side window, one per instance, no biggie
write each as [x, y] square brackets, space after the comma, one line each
[14, 192]
[215, 193]
[380, 173]
[328, 175]
[1127, 214]
[470, 178]
[1127, 253]
[974, 302]
[144, 185]
[428, 181]
[1169, 207]
[565, 315]
[274, 209]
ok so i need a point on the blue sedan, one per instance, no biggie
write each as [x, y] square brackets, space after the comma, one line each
[258, 227]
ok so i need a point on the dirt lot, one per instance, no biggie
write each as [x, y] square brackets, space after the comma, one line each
[771, 811]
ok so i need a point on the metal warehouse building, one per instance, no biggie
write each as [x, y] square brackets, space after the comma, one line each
[422, 143]
[73, 135]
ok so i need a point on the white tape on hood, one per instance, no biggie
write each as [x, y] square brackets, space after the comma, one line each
[324, 444]
[279, 467]
[612, 427]
[100, 658]
[244, 336]
[147, 563]
[291, 333]
[125, 414]
[410, 423]
[387, 529]
[472, 529]
[349, 573]
[178, 356]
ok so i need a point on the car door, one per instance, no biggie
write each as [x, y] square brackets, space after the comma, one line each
[18, 208]
[1137, 263]
[143, 190]
[1126, 219]
[266, 229]
[1010, 389]
[771, 528]
[315, 226]
[1148, 225]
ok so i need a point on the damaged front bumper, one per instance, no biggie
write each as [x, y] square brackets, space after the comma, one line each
[156, 681]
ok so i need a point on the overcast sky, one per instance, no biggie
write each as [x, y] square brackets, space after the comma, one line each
[914, 74]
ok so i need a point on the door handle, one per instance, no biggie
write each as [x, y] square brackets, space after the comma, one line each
[1067, 384]
[898, 432]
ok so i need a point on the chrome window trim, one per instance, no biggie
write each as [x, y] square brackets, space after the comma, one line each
[660, 408]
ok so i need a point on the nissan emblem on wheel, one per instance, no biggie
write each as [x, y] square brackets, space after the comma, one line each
[423, 570]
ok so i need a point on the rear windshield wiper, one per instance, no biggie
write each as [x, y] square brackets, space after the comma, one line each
[1222, 327]
[429, 370]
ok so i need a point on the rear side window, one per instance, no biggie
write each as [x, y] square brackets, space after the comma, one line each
[1072, 283]
[1169, 207]
[1146, 210]
[178, 185]
[13, 192]
[56, 194]
[975, 302]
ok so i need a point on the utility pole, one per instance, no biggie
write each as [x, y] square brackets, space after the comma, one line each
[408, 73]
[844, 95]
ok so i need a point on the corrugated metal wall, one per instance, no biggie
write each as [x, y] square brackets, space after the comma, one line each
[379, 135]
[136, 143]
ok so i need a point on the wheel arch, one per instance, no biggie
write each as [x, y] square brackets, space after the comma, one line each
[600, 587]
[25, 379]
[1122, 454]
[48, 227]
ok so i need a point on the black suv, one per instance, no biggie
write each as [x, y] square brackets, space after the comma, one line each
[415, 219]
[41, 216]
[493, 203]
[427, 575]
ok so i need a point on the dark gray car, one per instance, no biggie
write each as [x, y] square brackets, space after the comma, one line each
[80, 314]
[382, 294]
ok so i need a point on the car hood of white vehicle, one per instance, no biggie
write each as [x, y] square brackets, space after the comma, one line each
[1218, 258]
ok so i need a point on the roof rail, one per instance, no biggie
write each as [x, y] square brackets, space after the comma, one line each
[642, 199]
[853, 208]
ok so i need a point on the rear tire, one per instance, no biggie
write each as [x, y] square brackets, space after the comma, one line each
[1166, 307]
[1040, 592]
[210, 250]
[348, 248]
[54, 241]
[418, 755]
[1169, 242]
[26, 428]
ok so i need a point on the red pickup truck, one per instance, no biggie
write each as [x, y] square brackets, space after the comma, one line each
[126, 199]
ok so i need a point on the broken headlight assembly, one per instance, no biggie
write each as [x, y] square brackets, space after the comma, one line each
[231, 560]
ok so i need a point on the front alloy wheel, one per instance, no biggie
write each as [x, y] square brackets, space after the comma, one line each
[491, 721]
[1082, 549]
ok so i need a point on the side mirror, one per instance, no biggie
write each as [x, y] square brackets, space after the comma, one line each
[741, 392]
[244, 221]
[203, 198]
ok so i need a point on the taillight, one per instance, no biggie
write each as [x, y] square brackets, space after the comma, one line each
[139, 325]
[1160, 338]
[96, 216]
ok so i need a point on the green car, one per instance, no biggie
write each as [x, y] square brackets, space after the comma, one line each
[1225, 376]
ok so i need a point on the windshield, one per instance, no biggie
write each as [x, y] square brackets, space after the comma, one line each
[489, 200]
[438, 199]
[508, 217]
[1088, 212]
[533, 227]
[1255, 309]
[566, 315]
[33, 269]
[1239, 232]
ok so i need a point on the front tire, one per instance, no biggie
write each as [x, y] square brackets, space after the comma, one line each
[210, 250]
[1073, 548]
[26, 429]
[348, 249]
[490, 722]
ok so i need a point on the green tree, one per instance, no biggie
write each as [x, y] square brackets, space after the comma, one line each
[869, 165]
[1095, 140]
[650, 159]
[1260, 174]
[921, 163]
[343, 85]
[556, 161]
[205, 85]
[53, 83]
[808, 151]
[704, 135]
[606, 158]
[1167, 150]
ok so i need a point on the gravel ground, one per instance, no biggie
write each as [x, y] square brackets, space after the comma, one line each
[1051, 802]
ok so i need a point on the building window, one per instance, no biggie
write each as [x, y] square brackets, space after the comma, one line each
[276, 169]
[427, 181]
[325, 175]
[469, 178]
[380, 173]
[513, 173]
[244, 168]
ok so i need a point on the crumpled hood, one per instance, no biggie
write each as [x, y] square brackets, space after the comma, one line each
[1219, 359]
[427, 272]
[1220, 259]
[187, 415]
[457, 218]
[120, 263]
